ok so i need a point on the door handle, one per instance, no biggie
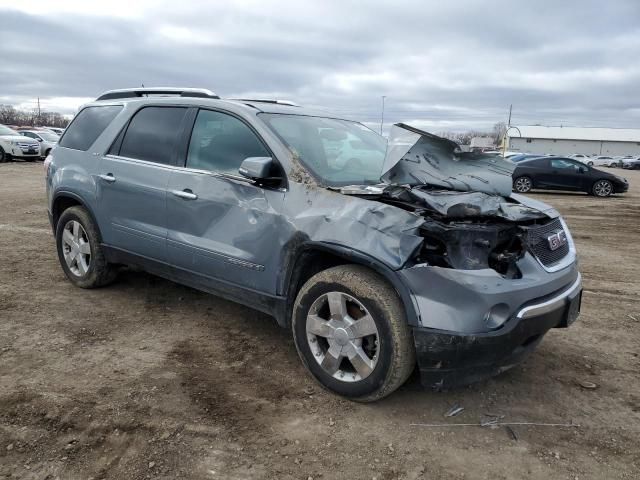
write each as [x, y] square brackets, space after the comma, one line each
[108, 177]
[186, 194]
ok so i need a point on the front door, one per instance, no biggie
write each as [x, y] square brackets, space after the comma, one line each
[133, 179]
[565, 174]
[219, 227]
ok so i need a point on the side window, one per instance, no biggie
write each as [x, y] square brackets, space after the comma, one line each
[220, 142]
[152, 134]
[87, 126]
[541, 163]
[27, 134]
[562, 164]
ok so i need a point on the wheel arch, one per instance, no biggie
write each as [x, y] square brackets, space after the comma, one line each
[313, 257]
[64, 200]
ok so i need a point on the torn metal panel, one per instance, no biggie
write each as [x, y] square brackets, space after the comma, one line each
[454, 204]
[389, 234]
[417, 157]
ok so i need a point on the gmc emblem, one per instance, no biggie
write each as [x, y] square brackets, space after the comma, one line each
[556, 240]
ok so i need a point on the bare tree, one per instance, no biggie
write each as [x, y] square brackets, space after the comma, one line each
[499, 130]
[9, 115]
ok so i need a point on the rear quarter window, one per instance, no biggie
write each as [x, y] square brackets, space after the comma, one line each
[87, 126]
[152, 135]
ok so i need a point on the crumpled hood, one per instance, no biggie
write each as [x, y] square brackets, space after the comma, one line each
[417, 157]
[429, 172]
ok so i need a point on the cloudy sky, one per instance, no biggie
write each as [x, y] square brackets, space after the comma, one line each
[441, 65]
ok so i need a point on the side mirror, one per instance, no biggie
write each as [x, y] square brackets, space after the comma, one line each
[258, 169]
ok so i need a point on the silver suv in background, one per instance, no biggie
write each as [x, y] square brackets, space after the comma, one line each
[380, 257]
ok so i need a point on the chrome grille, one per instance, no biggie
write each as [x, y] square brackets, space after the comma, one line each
[539, 246]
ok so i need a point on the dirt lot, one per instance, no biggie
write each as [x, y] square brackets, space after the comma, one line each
[149, 379]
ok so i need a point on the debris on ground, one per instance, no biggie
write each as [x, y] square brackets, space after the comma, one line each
[588, 385]
[455, 410]
[492, 424]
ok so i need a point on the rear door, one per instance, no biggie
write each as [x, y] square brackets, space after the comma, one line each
[132, 186]
[221, 228]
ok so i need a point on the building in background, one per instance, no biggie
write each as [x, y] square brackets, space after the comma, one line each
[482, 143]
[568, 140]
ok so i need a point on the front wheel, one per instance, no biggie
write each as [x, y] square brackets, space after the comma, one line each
[3, 155]
[351, 332]
[590, 164]
[79, 250]
[602, 188]
[522, 184]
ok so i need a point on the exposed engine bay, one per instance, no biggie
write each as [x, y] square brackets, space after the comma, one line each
[472, 219]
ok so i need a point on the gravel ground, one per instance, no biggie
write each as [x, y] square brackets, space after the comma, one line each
[149, 379]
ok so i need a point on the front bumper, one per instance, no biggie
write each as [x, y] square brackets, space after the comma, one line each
[451, 359]
[23, 153]
[621, 188]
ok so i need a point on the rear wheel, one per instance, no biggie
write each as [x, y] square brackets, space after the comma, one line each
[522, 184]
[351, 333]
[79, 250]
[602, 188]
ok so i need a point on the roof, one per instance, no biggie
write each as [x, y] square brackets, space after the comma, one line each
[251, 105]
[576, 133]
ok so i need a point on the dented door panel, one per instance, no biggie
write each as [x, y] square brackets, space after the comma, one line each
[229, 232]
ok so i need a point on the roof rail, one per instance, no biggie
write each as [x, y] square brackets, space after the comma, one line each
[277, 102]
[144, 92]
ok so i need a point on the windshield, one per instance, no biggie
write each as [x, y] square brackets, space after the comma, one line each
[7, 131]
[338, 152]
[49, 137]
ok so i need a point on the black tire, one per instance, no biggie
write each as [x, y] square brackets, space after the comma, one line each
[3, 155]
[99, 272]
[395, 347]
[522, 184]
[602, 188]
[590, 164]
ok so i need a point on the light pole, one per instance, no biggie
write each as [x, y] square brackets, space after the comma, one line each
[382, 116]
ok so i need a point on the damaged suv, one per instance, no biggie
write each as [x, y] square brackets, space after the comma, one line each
[378, 255]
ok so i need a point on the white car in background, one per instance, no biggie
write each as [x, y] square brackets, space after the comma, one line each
[45, 138]
[16, 145]
[58, 131]
[600, 161]
[581, 157]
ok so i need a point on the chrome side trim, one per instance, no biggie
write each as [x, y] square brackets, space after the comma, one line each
[552, 304]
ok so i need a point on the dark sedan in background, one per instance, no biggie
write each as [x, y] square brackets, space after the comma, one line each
[559, 173]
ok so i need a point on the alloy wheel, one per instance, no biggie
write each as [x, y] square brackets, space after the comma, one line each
[602, 188]
[76, 248]
[343, 337]
[523, 184]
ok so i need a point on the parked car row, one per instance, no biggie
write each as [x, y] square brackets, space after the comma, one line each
[607, 160]
[27, 144]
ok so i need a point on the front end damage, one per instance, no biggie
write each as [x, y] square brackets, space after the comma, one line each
[494, 272]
